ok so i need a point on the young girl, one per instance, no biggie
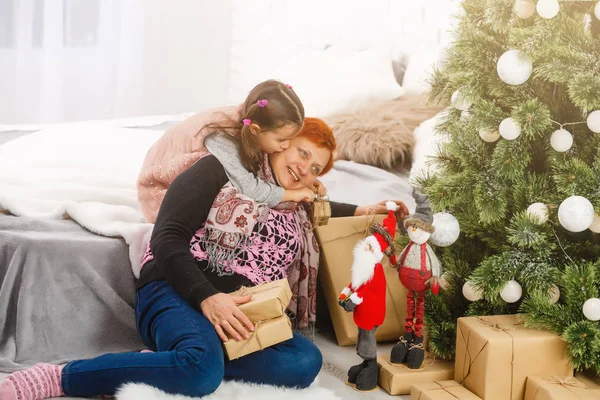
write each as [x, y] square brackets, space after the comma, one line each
[237, 136]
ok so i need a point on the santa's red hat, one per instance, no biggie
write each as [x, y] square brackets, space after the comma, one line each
[386, 232]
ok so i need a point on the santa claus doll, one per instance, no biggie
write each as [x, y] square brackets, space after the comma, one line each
[419, 270]
[365, 297]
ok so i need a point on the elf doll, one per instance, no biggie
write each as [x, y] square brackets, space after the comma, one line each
[419, 270]
[365, 297]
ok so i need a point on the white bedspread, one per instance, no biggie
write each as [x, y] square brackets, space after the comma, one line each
[86, 172]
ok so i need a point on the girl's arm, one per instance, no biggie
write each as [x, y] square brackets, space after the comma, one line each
[226, 151]
[183, 211]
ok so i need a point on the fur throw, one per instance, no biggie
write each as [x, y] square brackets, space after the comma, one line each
[381, 134]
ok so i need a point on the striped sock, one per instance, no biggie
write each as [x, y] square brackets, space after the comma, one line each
[39, 382]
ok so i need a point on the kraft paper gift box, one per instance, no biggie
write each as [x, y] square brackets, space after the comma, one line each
[555, 388]
[445, 390]
[266, 333]
[398, 379]
[269, 300]
[496, 354]
[337, 240]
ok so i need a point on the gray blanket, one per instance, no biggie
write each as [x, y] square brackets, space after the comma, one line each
[65, 293]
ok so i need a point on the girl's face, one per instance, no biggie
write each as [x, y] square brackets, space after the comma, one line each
[300, 164]
[276, 140]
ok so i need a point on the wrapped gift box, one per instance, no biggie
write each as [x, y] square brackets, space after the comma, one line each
[398, 379]
[555, 388]
[444, 390]
[337, 240]
[269, 300]
[266, 333]
[495, 355]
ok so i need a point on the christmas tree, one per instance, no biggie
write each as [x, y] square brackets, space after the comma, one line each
[520, 170]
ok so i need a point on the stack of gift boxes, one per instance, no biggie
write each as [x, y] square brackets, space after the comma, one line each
[266, 311]
[497, 358]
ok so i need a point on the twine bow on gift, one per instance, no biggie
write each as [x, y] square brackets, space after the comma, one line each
[568, 382]
[496, 325]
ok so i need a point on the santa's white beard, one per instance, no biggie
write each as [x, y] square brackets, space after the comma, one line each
[365, 259]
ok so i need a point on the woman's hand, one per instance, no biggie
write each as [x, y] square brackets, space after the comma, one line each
[379, 208]
[319, 188]
[222, 311]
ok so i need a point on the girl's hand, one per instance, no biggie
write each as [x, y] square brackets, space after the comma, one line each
[379, 208]
[222, 311]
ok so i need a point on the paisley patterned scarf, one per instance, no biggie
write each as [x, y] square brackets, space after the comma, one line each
[233, 228]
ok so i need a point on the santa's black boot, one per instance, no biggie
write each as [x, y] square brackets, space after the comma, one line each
[367, 378]
[416, 353]
[354, 371]
[400, 350]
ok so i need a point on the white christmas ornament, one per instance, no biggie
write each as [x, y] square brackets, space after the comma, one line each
[591, 309]
[547, 8]
[576, 214]
[597, 10]
[460, 102]
[509, 129]
[524, 9]
[561, 140]
[489, 136]
[553, 294]
[511, 292]
[538, 213]
[514, 67]
[593, 120]
[470, 292]
[595, 226]
[447, 229]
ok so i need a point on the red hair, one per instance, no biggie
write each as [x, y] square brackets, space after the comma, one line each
[318, 132]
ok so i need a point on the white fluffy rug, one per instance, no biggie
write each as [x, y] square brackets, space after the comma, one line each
[230, 391]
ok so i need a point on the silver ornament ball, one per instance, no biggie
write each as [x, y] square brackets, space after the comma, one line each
[561, 140]
[509, 129]
[576, 214]
[447, 229]
[591, 309]
[538, 213]
[514, 67]
[489, 136]
[593, 120]
[470, 292]
[511, 292]
[547, 8]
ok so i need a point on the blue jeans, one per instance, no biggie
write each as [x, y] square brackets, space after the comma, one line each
[188, 358]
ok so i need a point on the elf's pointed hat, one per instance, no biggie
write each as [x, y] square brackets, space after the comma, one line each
[422, 217]
[386, 232]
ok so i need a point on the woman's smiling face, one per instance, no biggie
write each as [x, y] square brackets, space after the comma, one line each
[299, 165]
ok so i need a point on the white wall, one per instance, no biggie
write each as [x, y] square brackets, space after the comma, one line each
[186, 55]
[267, 33]
[166, 56]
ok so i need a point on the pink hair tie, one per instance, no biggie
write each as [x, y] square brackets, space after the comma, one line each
[262, 103]
[247, 122]
[287, 85]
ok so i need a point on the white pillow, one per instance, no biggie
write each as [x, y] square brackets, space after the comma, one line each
[340, 79]
[419, 69]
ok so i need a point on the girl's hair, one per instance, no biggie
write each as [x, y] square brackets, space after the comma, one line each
[283, 107]
[318, 132]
